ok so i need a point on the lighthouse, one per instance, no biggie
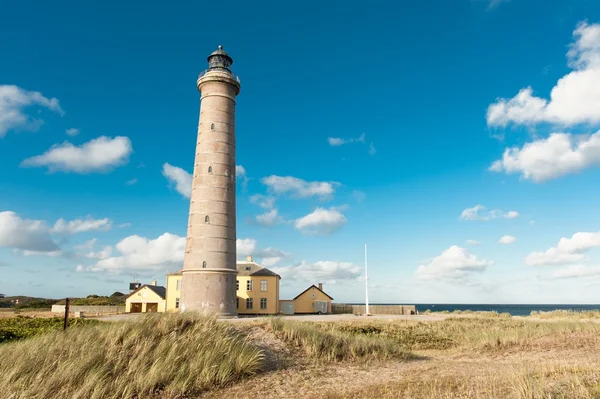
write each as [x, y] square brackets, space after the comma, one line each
[208, 281]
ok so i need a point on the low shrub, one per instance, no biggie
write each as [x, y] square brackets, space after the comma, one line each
[15, 328]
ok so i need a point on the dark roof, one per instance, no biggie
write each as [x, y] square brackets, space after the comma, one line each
[253, 269]
[158, 290]
[317, 288]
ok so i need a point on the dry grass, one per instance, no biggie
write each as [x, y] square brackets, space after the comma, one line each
[567, 314]
[460, 357]
[166, 356]
[181, 356]
[332, 345]
[477, 335]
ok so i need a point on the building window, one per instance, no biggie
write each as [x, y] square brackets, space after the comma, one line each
[249, 285]
[212, 126]
[263, 303]
[176, 303]
[263, 285]
[248, 303]
[204, 265]
[178, 285]
[206, 219]
[237, 285]
[210, 169]
[237, 303]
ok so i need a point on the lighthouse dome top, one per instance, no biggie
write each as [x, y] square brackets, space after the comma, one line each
[219, 59]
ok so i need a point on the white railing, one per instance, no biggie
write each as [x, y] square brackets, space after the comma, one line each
[235, 77]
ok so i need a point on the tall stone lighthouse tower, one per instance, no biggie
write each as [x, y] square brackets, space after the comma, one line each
[209, 266]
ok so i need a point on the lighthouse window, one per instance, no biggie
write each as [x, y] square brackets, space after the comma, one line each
[212, 126]
[204, 265]
[206, 219]
[210, 169]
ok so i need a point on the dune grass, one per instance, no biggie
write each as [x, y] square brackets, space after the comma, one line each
[331, 345]
[166, 356]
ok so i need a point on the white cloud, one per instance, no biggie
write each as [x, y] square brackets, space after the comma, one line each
[140, 253]
[51, 254]
[545, 159]
[72, 132]
[269, 218]
[81, 225]
[181, 179]
[322, 271]
[264, 201]
[455, 262]
[104, 253]
[473, 242]
[98, 155]
[507, 240]
[271, 256]
[298, 187]
[576, 271]
[478, 212]
[240, 174]
[245, 246]
[574, 100]
[321, 222]
[337, 141]
[131, 182]
[568, 250]
[372, 149]
[14, 100]
[25, 234]
[511, 215]
[240, 171]
[359, 195]
[495, 3]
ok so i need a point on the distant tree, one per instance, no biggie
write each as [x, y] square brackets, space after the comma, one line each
[117, 294]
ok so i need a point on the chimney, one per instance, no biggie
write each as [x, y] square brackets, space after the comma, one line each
[154, 282]
[321, 286]
[249, 258]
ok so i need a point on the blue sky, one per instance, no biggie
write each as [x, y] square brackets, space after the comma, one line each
[458, 138]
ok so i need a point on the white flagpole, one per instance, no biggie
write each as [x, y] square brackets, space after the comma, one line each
[366, 283]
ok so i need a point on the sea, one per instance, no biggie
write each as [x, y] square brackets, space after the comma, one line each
[514, 310]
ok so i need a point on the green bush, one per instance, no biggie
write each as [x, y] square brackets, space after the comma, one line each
[20, 327]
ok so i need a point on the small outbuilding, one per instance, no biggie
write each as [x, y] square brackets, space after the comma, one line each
[313, 300]
[149, 298]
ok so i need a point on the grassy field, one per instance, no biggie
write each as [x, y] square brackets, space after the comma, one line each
[188, 356]
[20, 327]
[465, 356]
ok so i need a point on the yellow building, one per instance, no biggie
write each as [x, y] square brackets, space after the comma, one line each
[146, 299]
[257, 289]
[313, 300]
[173, 291]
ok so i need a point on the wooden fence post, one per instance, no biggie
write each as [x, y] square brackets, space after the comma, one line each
[67, 302]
